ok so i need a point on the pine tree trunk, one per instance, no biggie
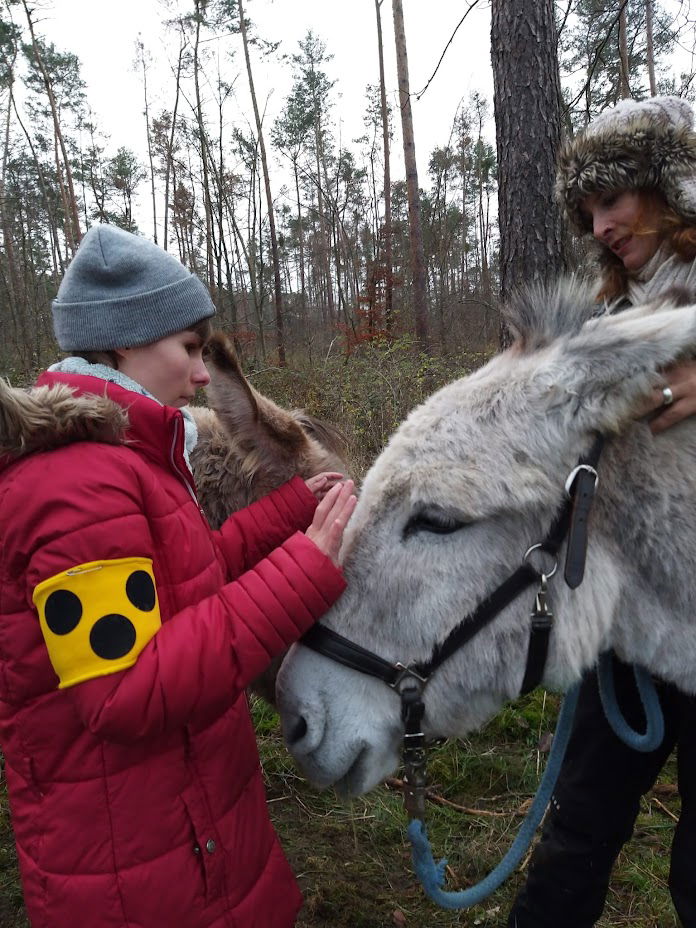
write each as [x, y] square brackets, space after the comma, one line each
[169, 167]
[528, 131]
[300, 236]
[72, 220]
[420, 304]
[623, 52]
[388, 255]
[650, 50]
[141, 53]
[325, 247]
[277, 287]
[12, 281]
[210, 272]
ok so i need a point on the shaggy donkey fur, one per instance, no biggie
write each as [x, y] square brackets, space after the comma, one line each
[466, 485]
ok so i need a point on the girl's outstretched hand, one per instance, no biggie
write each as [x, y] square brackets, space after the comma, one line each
[331, 517]
[320, 484]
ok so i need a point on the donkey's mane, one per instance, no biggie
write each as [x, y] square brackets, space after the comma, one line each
[538, 314]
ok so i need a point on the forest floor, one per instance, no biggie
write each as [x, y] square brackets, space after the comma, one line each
[353, 860]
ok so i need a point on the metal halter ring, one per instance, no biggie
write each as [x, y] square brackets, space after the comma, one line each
[667, 396]
[547, 574]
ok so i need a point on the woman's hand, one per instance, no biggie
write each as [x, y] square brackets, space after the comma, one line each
[681, 380]
[331, 517]
[320, 484]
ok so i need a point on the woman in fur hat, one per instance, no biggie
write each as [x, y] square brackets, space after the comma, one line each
[629, 180]
[129, 630]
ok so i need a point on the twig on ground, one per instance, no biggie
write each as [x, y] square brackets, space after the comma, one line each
[396, 784]
[663, 808]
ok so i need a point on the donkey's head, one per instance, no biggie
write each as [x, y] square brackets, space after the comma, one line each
[467, 484]
[248, 445]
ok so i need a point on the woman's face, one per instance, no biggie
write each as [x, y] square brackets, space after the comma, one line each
[626, 222]
[172, 368]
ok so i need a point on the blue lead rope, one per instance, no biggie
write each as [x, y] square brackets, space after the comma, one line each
[651, 739]
[432, 875]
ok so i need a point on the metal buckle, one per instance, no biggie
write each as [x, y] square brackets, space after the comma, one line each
[570, 480]
[407, 673]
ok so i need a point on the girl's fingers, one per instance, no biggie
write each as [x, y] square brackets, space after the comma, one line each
[330, 520]
[326, 502]
[335, 529]
[339, 491]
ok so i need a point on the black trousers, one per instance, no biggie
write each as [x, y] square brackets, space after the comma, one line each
[594, 809]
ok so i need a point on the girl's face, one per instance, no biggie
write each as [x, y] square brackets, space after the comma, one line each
[172, 368]
[626, 222]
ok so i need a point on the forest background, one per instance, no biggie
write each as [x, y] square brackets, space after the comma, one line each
[354, 275]
[304, 238]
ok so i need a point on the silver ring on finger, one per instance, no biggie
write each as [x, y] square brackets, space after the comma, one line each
[667, 396]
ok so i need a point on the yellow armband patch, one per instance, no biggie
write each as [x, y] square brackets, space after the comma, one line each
[96, 618]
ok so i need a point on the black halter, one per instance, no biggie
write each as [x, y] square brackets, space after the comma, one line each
[410, 680]
[571, 521]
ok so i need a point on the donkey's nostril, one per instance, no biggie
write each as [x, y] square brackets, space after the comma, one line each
[297, 730]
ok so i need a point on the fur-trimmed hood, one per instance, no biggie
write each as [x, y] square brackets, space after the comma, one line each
[636, 145]
[47, 417]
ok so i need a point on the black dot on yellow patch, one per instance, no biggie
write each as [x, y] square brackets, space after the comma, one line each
[140, 590]
[112, 636]
[63, 612]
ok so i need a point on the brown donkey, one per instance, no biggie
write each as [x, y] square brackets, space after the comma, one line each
[247, 446]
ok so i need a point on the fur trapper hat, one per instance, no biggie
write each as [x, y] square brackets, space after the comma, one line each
[120, 290]
[646, 145]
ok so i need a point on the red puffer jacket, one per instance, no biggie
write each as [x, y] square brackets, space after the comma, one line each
[134, 780]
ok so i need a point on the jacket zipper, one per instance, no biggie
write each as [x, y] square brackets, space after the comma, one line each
[177, 471]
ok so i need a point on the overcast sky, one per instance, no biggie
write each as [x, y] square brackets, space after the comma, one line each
[103, 36]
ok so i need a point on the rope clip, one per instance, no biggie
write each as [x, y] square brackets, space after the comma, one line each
[542, 617]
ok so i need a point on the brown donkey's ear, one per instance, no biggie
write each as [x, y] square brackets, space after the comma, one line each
[229, 392]
[245, 414]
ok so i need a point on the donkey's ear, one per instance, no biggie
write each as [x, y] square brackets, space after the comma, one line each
[251, 419]
[612, 364]
[229, 392]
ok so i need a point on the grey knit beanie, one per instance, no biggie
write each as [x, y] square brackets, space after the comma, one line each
[636, 145]
[120, 290]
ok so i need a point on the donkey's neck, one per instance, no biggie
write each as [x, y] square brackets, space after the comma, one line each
[639, 595]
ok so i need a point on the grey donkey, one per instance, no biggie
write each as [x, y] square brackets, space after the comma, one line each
[469, 481]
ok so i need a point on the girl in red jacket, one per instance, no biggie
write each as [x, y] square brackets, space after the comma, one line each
[129, 630]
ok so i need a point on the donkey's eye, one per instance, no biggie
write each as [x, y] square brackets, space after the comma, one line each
[434, 520]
